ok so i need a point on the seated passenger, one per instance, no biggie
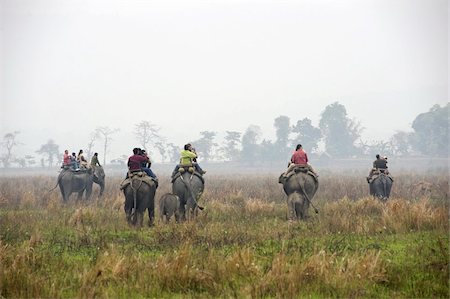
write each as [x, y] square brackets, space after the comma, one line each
[73, 162]
[82, 162]
[145, 166]
[66, 160]
[188, 158]
[135, 161]
[94, 161]
[380, 164]
[299, 158]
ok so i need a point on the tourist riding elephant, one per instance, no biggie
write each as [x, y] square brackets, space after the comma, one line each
[80, 181]
[188, 187]
[300, 187]
[139, 196]
[380, 186]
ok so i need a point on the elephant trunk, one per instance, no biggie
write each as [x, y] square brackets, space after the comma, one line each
[102, 187]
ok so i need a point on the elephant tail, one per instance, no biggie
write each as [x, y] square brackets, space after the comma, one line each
[385, 186]
[135, 190]
[302, 187]
[191, 192]
[57, 182]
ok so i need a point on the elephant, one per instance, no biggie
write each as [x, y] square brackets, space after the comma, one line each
[380, 186]
[188, 187]
[300, 186]
[139, 196]
[81, 181]
[169, 205]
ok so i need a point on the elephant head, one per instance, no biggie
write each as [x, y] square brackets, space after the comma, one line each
[99, 178]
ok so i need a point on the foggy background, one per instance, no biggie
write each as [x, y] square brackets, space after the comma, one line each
[68, 67]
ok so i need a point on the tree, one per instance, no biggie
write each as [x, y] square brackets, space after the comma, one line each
[173, 152]
[205, 144]
[307, 135]
[9, 142]
[147, 134]
[30, 160]
[250, 148]
[93, 136]
[430, 135]
[230, 148]
[105, 133]
[268, 152]
[400, 143]
[339, 131]
[282, 131]
[50, 150]
[162, 149]
[377, 147]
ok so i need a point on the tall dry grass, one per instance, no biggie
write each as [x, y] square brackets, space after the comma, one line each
[241, 245]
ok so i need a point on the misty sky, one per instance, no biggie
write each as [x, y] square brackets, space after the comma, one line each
[68, 67]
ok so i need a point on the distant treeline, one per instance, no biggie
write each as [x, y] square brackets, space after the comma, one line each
[339, 135]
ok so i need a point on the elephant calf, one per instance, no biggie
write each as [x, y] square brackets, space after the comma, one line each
[169, 205]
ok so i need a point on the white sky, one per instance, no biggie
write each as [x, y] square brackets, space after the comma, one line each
[69, 66]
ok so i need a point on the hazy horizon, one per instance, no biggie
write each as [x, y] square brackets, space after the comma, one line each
[68, 67]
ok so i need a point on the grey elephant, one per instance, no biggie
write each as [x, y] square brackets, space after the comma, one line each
[300, 185]
[380, 186]
[169, 206]
[80, 182]
[139, 191]
[189, 188]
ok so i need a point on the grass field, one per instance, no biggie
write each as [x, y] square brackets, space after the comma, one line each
[241, 245]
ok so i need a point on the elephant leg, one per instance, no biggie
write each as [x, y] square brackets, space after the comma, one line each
[88, 193]
[66, 195]
[305, 209]
[139, 218]
[151, 216]
[192, 213]
[128, 214]
[298, 210]
[80, 195]
[182, 212]
[161, 217]
[291, 208]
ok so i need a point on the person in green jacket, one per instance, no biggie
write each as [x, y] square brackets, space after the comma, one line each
[188, 158]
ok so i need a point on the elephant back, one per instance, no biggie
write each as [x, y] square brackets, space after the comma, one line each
[301, 180]
[378, 175]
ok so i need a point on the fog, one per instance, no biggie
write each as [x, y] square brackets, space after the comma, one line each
[68, 67]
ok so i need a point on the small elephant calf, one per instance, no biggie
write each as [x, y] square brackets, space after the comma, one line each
[169, 205]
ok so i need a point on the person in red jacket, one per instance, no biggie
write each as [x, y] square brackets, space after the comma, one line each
[136, 160]
[299, 158]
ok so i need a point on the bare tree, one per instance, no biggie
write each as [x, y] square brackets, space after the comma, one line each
[105, 133]
[162, 149]
[173, 152]
[50, 150]
[9, 142]
[148, 134]
[94, 136]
